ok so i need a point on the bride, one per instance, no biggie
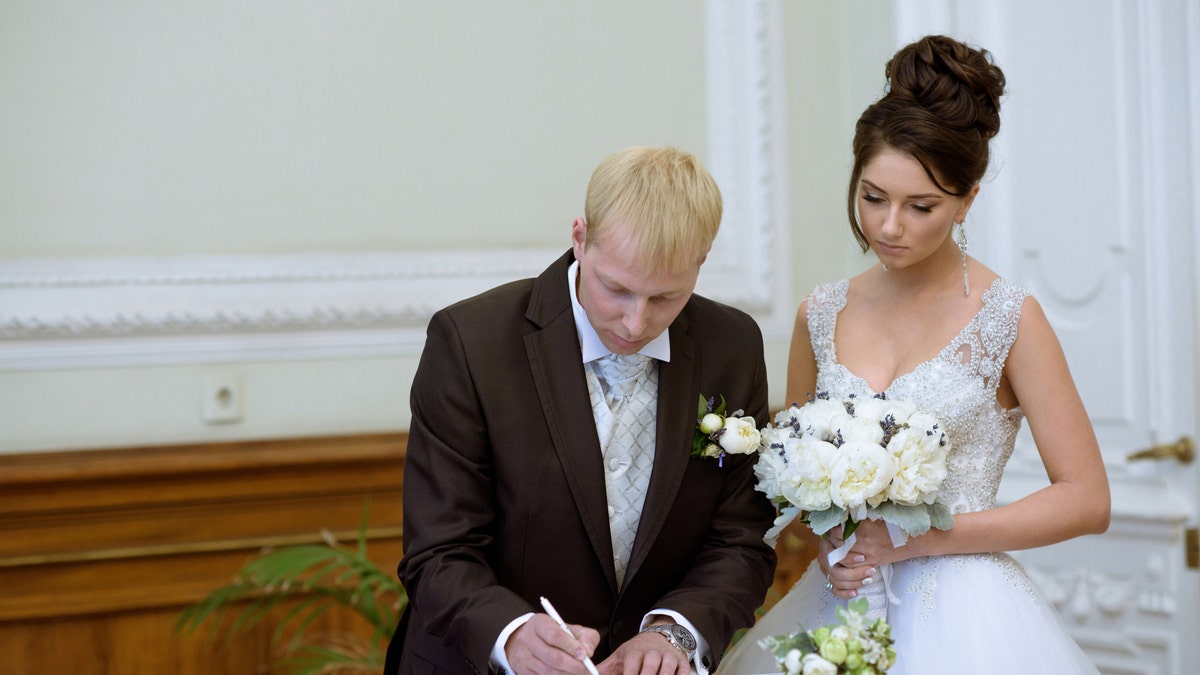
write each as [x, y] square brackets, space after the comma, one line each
[933, 326]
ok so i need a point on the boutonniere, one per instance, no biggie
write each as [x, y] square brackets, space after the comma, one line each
[718, 434]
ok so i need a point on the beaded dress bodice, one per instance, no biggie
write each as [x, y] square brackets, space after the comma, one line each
[958, 387]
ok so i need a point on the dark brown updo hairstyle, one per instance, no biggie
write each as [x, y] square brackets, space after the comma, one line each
[942, 107]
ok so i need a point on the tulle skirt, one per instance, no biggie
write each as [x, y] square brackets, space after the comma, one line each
[974, 614]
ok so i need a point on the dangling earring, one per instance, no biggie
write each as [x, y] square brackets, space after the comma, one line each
[884, 266]
[961, 240]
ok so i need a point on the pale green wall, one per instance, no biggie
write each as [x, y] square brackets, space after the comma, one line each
[278, 127]
[281, 126]
[834, 54]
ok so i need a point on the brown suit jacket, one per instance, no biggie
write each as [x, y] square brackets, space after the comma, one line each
[504, 497]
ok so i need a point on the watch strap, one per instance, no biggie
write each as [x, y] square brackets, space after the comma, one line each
[670, 632]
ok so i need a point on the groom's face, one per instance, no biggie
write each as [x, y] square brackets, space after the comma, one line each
[629, 304]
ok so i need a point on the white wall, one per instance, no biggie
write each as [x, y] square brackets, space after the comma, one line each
[247, 130]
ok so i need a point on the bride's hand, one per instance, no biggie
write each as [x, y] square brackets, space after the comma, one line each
[847, 576]
[873, 544]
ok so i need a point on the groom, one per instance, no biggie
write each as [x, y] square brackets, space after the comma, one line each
[549, 452]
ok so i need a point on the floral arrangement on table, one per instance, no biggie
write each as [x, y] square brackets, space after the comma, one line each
[842, 461]
[851, 646]
[718, 434]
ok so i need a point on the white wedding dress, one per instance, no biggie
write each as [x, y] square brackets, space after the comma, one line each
[975, 614]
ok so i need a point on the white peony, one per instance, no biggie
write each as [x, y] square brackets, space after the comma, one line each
[879, 408]
[814, 418]
[806, 482]
[920, 466]
[859, 477]
[855, 429]
[774, 462]
[740, 437]
[924, 422]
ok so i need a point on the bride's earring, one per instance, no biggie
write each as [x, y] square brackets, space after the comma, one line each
[961, 240]
[884, 266]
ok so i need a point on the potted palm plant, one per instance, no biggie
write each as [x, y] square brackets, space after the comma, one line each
[308, 580]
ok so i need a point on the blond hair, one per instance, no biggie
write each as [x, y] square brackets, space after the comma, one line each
[662, 198]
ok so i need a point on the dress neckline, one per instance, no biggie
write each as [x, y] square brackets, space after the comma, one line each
[844, 289]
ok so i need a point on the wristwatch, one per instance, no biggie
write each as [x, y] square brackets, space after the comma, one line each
[679, 637]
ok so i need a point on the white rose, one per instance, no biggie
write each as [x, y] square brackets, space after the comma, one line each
[713, 450]
[806, 481]
[855, 429]
[813, 418]
[792, 662]
[860, 475]
[740, 437]
[710, 423]
[815, 665]
[920, 466]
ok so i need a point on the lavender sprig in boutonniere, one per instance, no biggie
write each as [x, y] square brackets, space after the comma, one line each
[718, 434]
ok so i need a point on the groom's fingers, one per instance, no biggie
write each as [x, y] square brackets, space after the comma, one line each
[542, 646]
[589, 638]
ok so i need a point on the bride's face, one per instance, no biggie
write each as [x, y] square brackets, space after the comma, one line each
[906, 217]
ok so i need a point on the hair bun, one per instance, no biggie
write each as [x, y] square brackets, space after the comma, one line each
[957, 83]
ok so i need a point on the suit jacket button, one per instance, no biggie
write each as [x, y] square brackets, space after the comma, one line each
[617, 626]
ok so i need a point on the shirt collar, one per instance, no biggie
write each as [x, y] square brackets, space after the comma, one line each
[589, 340]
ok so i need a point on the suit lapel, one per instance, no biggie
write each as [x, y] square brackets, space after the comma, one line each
[678, 384]
[557, 367]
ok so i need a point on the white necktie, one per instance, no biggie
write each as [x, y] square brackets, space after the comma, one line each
[624, 393]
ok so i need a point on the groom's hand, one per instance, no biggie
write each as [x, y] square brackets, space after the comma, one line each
[541, 647]
[645, 654]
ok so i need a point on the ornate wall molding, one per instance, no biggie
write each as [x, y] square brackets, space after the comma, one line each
[190, 309]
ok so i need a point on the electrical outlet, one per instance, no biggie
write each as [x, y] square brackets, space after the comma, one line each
[221, 400]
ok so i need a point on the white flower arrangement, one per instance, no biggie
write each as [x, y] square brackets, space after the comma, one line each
[852, 646]
[718, 434]
[843, 461]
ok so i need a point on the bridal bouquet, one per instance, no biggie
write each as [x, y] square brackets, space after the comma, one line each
[852, 646]
[844, 461]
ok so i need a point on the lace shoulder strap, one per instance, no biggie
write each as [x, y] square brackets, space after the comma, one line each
[824, 303]
[997, 328]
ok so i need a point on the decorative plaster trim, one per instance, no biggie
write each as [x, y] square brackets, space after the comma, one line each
[113, 312]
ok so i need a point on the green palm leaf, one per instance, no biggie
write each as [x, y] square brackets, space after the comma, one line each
[311, 579]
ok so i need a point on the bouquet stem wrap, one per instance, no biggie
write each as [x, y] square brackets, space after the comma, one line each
[879, 593]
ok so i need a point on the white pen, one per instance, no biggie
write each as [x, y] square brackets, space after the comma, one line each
[587, 662]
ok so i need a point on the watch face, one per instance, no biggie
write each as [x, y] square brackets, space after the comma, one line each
[684, 636]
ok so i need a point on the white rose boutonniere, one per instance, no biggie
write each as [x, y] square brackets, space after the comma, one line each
[718, 434]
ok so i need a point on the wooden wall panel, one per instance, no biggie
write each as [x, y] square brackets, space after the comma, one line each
[100, 550]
